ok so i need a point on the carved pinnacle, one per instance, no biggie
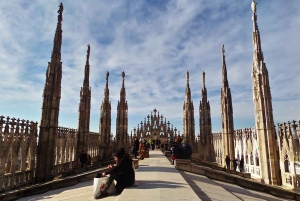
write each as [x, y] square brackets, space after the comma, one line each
[107, 75]
[203, 78]
[253, 6]
[88, 52]
[60, 10]
[187, 76]
[223, 49]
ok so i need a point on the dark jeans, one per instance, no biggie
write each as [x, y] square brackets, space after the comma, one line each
[82, 163]
[228, 165]
[120, 182]
[135, 152]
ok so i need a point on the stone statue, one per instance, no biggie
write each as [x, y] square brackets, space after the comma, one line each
[223, 49]
[203, 78]
[107, 75]
[123, 74]
[60, 10]
[187, 75]
[253, 6]
[88, 52]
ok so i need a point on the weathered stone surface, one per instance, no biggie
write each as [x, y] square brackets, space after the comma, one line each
[230, 176]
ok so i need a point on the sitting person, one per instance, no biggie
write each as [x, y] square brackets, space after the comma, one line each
[122, 172]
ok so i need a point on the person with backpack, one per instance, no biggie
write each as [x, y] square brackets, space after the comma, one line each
[186, 150]
[175, 152]
[135, 147]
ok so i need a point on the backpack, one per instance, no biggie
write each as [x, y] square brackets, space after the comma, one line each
[187, 151]
[175, 151]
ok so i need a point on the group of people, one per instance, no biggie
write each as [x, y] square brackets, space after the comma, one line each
[123, 173]
[142, 147]
[154, 144]
[180, 149]
[235, 162]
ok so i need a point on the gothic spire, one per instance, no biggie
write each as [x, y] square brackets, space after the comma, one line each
[123, 92]
[224, 69]
[258, 54]
[187, 90]
[56, 52]
[86, 82]
[203, 85]
[106, 91]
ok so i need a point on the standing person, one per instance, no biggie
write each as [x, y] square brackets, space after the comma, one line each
[136, 147]
[123, 173]
[235, 163]
[175, 152]
[166, 145]
[242, 164]
[156, 143]
[227, 161]
[83, 158]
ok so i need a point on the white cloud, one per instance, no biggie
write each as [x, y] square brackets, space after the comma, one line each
[155, 44]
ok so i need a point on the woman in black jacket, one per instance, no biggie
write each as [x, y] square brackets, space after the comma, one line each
[122, 172]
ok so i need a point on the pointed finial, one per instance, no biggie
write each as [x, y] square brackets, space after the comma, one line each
[253, 6]
[107, 75]
[223, 50]
[123, 74]
[60, 10]
[88, 52]
[203, 78]
[187, 76]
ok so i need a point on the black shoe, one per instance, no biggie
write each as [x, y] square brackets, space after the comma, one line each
[101, 195]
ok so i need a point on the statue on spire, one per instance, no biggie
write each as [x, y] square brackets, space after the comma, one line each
[107, 75]
[88, 52]
[123, 74]
[60, 10]
[223, 50]
[253, 6]
[187, 76]
[203, 78]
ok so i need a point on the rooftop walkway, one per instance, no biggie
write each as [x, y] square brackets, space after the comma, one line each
[158, 180]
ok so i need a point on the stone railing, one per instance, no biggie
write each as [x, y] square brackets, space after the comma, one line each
[218, 147]
[94, 147]
[65, 149]
[18, 146]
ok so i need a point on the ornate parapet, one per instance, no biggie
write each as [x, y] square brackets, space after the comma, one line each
[65, 150]
[245, 145]
[217, 147]
[18, 146]
[94, 146]
[288, 135]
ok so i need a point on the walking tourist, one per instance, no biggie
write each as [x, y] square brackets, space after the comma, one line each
[227, 161]
[136, 147]
[235, 163]
[83, 158]
[242, 164]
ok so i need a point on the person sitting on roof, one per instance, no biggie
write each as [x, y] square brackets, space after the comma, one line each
[122, 172]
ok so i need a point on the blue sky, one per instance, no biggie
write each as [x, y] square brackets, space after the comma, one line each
[155, 43]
